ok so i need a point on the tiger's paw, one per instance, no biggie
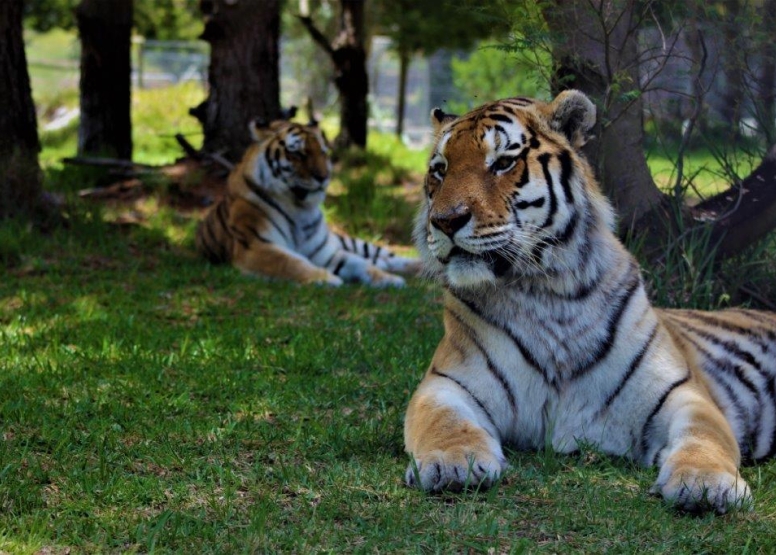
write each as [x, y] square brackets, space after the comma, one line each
[326, 278]
[379, 278]
[454, 470]
[695, 490]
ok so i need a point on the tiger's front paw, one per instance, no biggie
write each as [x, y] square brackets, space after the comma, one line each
[380, 278]
[326, 278]
[454, 470]
[695, 490]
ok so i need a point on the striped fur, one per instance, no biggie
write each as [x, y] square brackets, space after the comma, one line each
[270, 222]
[549, 335]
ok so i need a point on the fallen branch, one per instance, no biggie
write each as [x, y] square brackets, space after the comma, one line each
[192, 152]
[106, 162]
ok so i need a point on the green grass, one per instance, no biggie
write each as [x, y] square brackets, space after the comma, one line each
[153, 403]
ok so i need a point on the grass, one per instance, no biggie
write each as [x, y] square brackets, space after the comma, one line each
[153, 403]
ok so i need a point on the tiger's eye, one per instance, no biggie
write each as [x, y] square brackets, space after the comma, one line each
[503, 163]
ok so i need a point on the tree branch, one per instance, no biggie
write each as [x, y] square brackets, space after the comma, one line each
[316, 35]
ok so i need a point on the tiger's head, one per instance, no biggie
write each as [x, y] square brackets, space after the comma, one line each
[290, 160]
[507, 193]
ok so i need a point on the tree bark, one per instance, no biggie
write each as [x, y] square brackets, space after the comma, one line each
[105, 28]
[766, 79]
[404, 66]
[20, 179]
[244, 73]
[735, 65]
[348, 55]
[596, 51]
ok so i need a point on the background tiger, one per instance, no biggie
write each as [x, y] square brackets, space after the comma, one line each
[270, 221]
[549, 335]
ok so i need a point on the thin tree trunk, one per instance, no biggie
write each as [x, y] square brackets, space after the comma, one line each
[767, 77]
[734, 68]
[348, 54]
[244, 73]
[20, 179]
[105, 27]
[404, 66]
[597, 53]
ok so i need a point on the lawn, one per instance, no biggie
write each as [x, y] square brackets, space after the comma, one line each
[151, 402]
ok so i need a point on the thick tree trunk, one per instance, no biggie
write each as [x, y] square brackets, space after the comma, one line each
[20, 179]
[348, 54]
[404, 66]
[105, 27]
[597, 53]
[244, 73]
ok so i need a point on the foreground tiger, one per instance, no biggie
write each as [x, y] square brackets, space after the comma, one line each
[270, 221]
[549, 335]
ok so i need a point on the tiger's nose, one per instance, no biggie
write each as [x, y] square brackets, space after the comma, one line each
[451, 221]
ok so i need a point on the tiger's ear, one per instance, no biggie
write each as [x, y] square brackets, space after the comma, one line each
[258, 129]
[288, 113]
[439, 119]
[573, 114]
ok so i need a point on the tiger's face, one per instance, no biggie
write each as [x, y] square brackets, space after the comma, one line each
[504, 186]
[294, 161]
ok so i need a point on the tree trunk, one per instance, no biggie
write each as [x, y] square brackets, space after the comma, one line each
[766, 102]
[105, 27]
[404, 66]
[735, 65]
[244, 73]
[597, 53]
[20, 179]
[348, 54]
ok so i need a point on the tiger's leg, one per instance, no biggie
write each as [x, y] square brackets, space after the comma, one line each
[449, 432]
[268, 259]
[351, 267]
[699, 465]
[379, 256]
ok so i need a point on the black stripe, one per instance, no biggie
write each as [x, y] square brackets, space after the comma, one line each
[376, 255]
[771, 390]
[319, 246]
[544, 160]
[748, 333]
[498, 374]
[365, 248]
[342, 241]
[466, 389]
[526, 354]
[634, 365]
[331, 258]
[501, 117]
[565, 175]
[339, 266]
[354, 245]
[612, 325]
[656, 409]
[536, 203]
[271, 202]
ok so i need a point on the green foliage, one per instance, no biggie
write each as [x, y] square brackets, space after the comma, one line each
[417, 26]
[490, 73]
[154, 19]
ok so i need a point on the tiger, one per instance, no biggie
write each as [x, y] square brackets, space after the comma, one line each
[270, 221]
[550, 339]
